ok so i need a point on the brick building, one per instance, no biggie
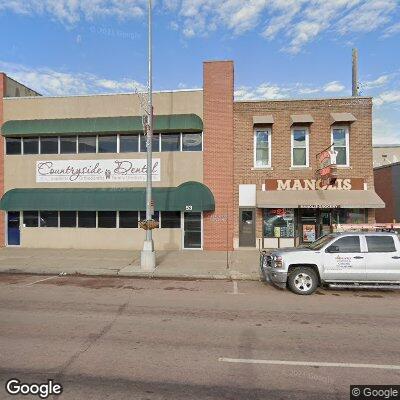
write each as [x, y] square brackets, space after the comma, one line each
[227, 174]
[387, 178]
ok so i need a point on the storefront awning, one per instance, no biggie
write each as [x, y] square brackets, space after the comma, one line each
[103, 125]
[319, 199]
[194, 195]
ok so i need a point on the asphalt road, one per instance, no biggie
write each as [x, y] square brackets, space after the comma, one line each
[120, 338]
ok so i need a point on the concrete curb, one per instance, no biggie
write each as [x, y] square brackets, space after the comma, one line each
[234, 275]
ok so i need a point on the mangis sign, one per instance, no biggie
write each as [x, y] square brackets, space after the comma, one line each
[314, 184]
[114, 170]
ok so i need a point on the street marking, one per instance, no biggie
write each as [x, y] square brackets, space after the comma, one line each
[40, 280]
[309, 363]
[235, 287]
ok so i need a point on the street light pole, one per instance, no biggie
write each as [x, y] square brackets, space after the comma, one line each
[148, 257]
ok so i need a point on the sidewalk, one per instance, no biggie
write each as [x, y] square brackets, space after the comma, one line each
[187, 264]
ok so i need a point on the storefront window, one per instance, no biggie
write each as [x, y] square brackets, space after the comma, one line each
[87, 219]
[49, 219]
[279, 222]
[349, 216]
[107, 219]
[128, 219]
[171, 219]
[31, 219]
[68, 219]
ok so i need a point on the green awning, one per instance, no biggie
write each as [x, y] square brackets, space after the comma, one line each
[194, 195]
[103, 125]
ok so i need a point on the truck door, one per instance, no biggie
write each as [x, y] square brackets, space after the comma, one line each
[344, 261]
[382, 259]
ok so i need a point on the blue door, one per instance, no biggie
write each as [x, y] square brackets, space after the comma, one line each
[13, 234]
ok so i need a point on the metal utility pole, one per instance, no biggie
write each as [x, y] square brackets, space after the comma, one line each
[148, 257]
[354, 84]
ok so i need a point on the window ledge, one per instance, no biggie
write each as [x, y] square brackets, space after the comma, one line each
[344, 167]
[299, 168]
[262, 169]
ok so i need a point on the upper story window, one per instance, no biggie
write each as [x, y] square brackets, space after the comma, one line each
[107, 144]
[262, 148]
[171, 142]
[87, 144]
[13, 145]
[192, 141]
[67, 144]
[155, 143]
[49, 145]
[30, 145]
[340, 140]
[128, 143]
[300, 147]
[112, 143]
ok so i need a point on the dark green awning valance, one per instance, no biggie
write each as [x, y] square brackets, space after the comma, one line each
[194, 195]
[103, 125]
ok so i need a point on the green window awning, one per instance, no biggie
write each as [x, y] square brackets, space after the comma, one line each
[193, 194]
[103, 125]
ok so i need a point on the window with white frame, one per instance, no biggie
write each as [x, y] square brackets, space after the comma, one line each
[340, 140]
[300, 147]
[262, 148]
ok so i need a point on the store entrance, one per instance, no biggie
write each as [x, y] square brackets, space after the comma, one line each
[314, 223]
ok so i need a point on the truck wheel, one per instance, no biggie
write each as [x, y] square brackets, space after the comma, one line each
[303, 280]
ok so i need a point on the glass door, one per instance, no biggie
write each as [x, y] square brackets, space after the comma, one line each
[247, 228]
[13, 233]
[192, 230]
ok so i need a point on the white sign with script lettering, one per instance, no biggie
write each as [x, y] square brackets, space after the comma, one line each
[71, 171]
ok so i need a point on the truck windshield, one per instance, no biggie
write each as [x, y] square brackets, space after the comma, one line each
[321, 242]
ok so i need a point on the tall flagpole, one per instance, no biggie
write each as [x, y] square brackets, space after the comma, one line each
[148, 258]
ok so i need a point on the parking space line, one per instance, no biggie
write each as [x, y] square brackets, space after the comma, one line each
[40, 280]
[309, 363]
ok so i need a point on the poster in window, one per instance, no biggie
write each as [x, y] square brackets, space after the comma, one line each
[308, 233]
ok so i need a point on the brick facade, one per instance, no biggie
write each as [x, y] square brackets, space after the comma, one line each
[3, 89]
[386, 185]
[218, 153]
[360, 135]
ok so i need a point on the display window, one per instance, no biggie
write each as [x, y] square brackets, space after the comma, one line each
[279, 223]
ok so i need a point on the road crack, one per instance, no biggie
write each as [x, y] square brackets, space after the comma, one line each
[93, 339]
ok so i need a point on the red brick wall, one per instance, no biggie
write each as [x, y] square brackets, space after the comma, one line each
[218, 84]
[361, 165]
[384, 188]
[3, 80]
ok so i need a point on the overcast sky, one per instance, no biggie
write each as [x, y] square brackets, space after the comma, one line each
[281, 48]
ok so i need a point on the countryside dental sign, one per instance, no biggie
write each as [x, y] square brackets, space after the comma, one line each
[114, 170]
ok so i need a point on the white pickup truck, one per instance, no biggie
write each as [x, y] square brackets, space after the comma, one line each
[339, 260]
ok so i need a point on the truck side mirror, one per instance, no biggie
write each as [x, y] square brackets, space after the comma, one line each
[332, 249]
